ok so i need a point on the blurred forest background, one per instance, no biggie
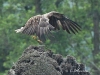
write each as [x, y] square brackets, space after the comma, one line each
[85, 45]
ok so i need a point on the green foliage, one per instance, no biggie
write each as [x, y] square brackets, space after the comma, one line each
[13, 15]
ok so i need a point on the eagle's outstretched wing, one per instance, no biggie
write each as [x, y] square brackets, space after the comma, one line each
[36, 25]
[56, 19]
[42, 24]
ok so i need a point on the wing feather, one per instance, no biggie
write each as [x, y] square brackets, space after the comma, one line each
[31, 26]
[67, 24]
[30, 30]
[73, 27]
[74, 24]
[53, 21]
[70, 27]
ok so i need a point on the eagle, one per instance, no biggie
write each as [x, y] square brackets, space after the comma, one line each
[41, 25]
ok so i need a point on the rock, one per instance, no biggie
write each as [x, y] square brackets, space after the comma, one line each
[35, 60]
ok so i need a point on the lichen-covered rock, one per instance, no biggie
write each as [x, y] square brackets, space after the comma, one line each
[38, 61]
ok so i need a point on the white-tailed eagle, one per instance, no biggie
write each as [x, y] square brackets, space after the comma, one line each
[43, 24]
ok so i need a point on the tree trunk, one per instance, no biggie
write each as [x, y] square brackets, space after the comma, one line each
[38, 6]
[96, 40]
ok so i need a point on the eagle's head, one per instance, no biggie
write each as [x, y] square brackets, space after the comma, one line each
[43, 19]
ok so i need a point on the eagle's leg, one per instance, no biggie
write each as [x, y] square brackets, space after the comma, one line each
[37, 39]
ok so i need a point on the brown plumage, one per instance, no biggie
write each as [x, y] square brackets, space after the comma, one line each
[43, 24]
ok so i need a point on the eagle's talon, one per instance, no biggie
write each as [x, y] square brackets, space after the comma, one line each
[39, 41]
[34, 37]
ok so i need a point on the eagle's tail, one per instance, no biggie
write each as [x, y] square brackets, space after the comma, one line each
[19, 30]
